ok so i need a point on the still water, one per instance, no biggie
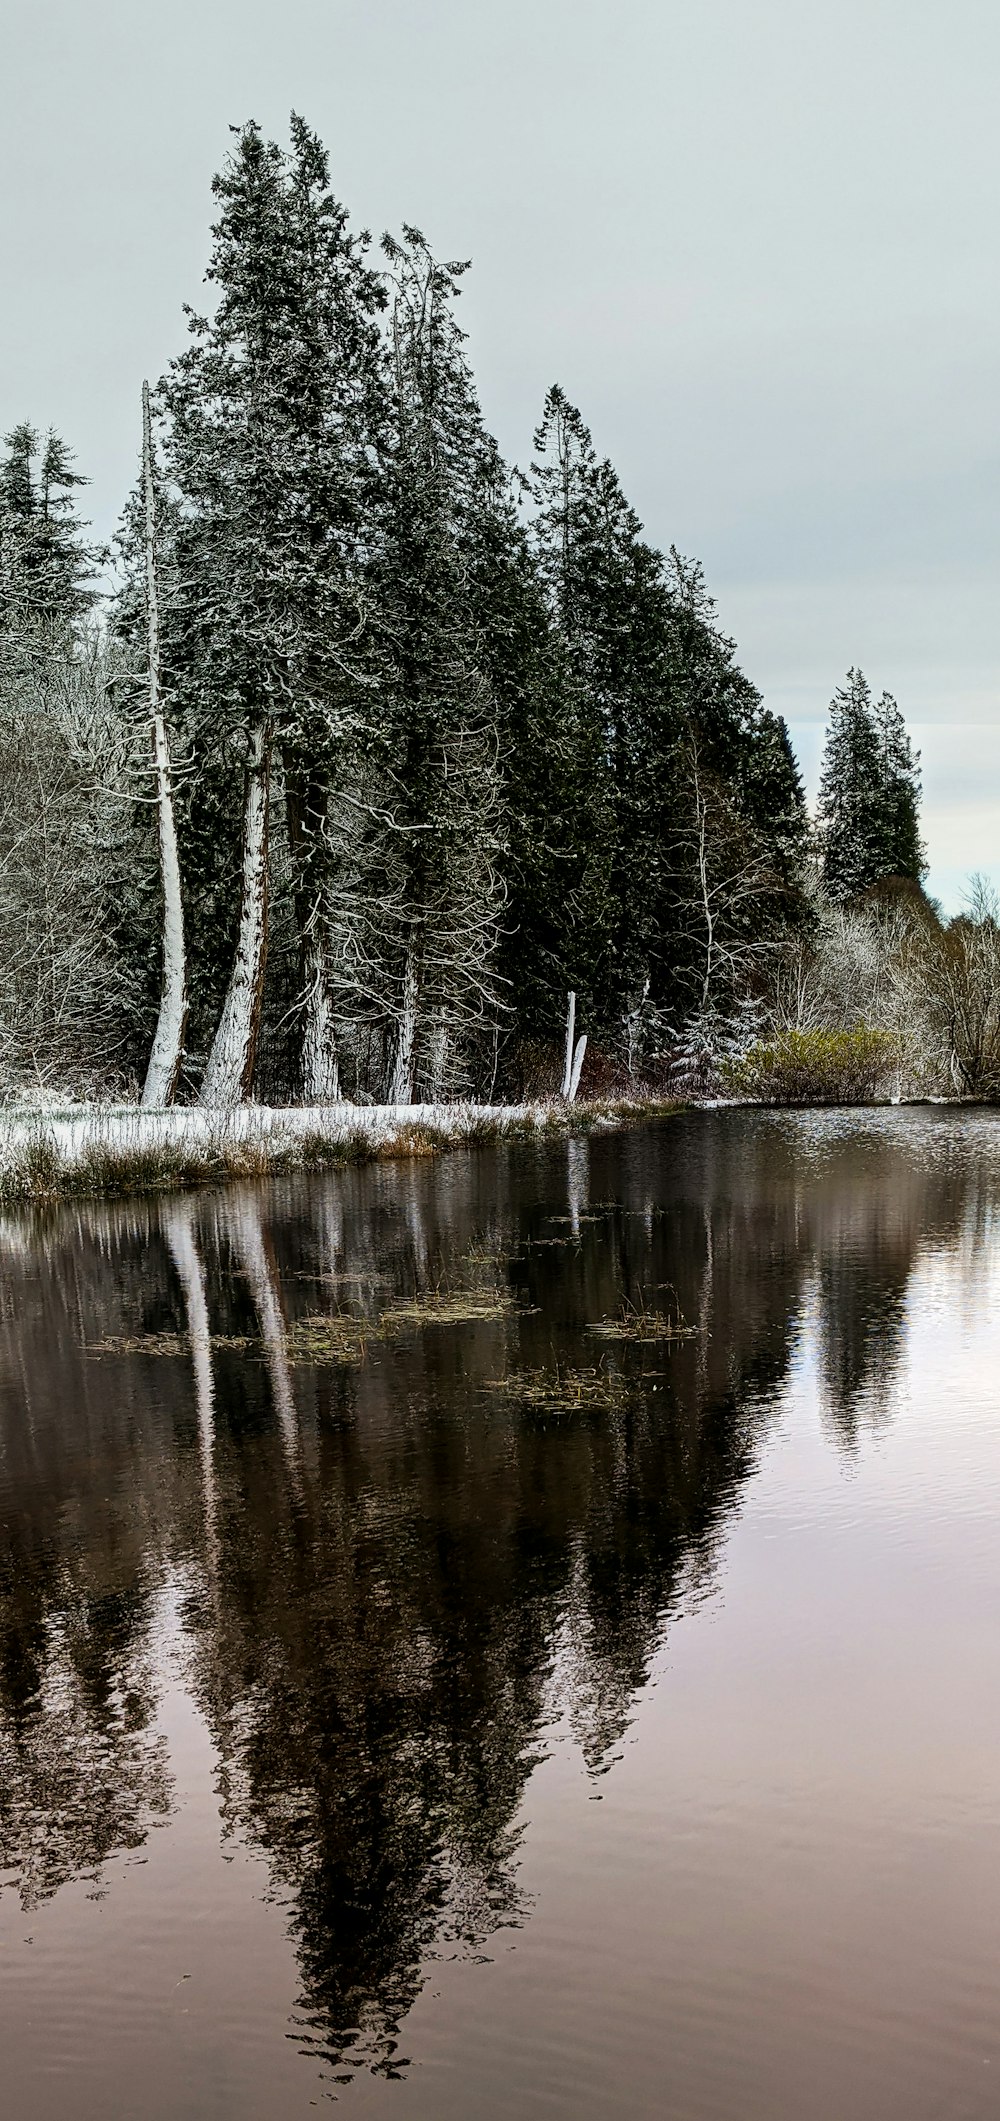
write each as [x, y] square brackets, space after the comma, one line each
[413, 1697]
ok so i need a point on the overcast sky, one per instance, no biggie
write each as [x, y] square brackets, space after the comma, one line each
[757, 241]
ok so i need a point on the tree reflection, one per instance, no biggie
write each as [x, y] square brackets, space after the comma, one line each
[393, 1576]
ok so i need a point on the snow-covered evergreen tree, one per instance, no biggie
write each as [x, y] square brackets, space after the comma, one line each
[868, 811]
[419, 921]
[269, 443]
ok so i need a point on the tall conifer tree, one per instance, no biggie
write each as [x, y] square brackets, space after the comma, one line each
[271, 413]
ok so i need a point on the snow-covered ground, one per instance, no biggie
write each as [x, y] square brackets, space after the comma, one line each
[126, 1130]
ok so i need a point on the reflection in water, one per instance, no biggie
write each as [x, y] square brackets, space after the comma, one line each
[392, 1576]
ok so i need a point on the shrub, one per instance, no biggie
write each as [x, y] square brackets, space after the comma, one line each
[816, 1067]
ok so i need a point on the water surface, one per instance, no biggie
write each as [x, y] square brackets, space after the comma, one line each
[412, 1697]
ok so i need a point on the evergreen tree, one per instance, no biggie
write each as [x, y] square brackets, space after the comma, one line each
[419, 931]
[660, 685]
[46, 565]
[271, 415]
[900, 764]
[868, 811]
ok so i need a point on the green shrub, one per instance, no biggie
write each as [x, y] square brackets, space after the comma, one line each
[816, 1067]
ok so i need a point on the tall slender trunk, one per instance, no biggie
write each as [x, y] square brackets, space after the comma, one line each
[404, 1063]
[168, 1043]
[228, 1077]
[320, 1061]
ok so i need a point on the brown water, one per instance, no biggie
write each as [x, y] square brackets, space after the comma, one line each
[372, 1729]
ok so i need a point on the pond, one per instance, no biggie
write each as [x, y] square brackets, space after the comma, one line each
[510, 1634]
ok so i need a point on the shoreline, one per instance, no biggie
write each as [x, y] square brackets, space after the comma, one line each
[112, 1152]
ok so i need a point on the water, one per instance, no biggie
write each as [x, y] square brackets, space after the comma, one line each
[374, 1729]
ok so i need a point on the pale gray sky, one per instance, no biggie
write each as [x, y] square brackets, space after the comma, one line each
[756, 240]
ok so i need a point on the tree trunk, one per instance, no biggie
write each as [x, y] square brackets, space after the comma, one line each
[168, 1043]
[228, 1077]
[320, 1061]
[401, 1087]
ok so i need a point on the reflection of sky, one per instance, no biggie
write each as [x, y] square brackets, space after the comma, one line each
[757, 244]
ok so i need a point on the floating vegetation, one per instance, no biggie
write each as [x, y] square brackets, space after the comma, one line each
[447, 1307]
[564, 1391]
[335, 1279]
[636, 1323]
[337, 1338]
[163, 1343]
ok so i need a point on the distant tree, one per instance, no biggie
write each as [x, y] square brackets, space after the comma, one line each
[47, 567]
[869, 794]
[900, 765]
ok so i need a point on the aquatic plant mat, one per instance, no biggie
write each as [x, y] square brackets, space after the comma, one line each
[563, 1391]
[95, 1151]
[636, 1323]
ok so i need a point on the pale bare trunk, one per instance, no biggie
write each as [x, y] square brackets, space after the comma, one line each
[401, 1087]
[575, 1050]
[305, 805]
[320, 1067]
[438, 1069]
[168, 1043]
[228, 1076]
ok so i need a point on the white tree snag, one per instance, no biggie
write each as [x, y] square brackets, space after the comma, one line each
[320, 1068]
[575, 1050]
[404, 1065]
[570, 1029]
[168, 1043]
[228, 1077]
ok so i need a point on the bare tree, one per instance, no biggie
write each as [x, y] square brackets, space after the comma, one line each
[228, 1077]
[168, 1043]
[728, 901]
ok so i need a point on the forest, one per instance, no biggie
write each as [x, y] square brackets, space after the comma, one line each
[362, 750]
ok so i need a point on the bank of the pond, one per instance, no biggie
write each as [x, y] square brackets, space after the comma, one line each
[99, 1150]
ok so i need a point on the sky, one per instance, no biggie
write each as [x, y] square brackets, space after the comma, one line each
[756, 241]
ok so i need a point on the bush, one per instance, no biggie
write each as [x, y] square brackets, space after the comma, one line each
[816, 1067]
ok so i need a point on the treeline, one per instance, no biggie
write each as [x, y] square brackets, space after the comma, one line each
[435, 742]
